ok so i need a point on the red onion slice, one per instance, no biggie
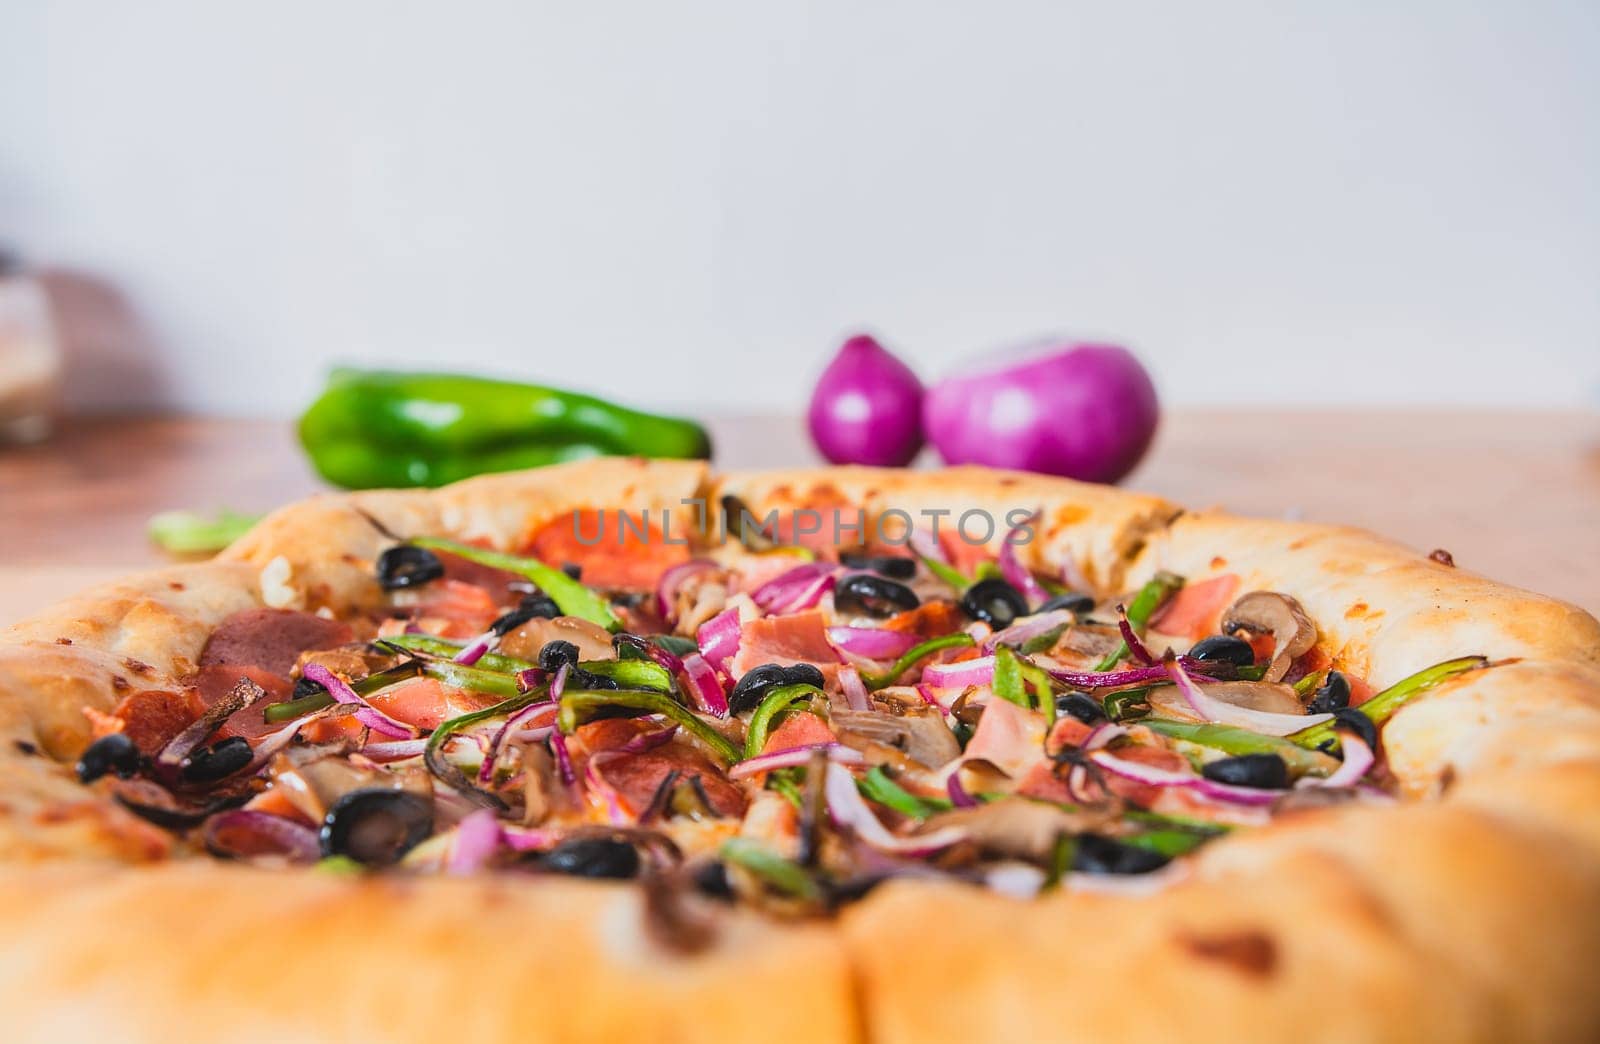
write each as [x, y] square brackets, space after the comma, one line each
[847, 808]
[595, 782]
[1160, 777]
[1133, 676]
[286, 837]
[476, 841]
[1358, 761]
[704, 684]
[674, 578]
[368, 715]
[960, 674]
[795, 756]
[718, 638]
[1210, 708]
[528, 839]
[854, 689]
[395, 750]
[474, 650]
[1027, 629]
[796, 589]
[1013, 570]
[958, 793]
[1135, 646]
[874, 643]
[544, 711]
[926, 545]
[648, 741]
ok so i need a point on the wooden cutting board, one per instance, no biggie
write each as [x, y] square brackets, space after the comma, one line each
[1512, 495]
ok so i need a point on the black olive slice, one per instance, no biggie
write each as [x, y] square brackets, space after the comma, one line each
[897, 567]
[556, 653]
[1261, 771]
[1076, 604]
[754, 686]
[603, 857]
[1224, 648]
[209, 764]
[995, 602]
[376, 826]
[1080, 705]
[1094, 854]
[112, 753]
[1334, 695]
[407, 566]
[874, 594]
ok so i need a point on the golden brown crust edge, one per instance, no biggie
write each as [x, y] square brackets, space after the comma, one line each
[1430, 939]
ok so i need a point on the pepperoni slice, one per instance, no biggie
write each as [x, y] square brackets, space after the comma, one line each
[614, 548]
[271, 639]
[637, 777]
[152, 717]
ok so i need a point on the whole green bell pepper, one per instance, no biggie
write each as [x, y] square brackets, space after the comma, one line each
[386, 429]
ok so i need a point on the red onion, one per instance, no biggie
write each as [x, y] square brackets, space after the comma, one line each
[671, 580]
[960, 674]
[474, 650]
[1087, 412]
[958, 793]
[273, 742]
[1135, 647]
[648, 741]
[517, 721]
[1209, 708]
[796, 589]
[854, 689]
[1150, 775]
[874, 643]
[530, 678]
[1016, 574]
[794, 756]
[368, 715]
[719, 638]
[275, 834]
[705, 685]
[477, 839]
[1358, 759]
[1132, 676]
[395, 750]
[1028, 628]
[848, 808]
[558, 742]
[867, 408]
[527, 839]
[597, 784]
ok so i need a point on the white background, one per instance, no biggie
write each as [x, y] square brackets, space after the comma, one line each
[688, 204]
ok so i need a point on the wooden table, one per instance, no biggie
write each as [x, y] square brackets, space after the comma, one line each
[1512, 495]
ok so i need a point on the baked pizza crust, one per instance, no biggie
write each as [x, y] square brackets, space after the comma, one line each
[1470, 914]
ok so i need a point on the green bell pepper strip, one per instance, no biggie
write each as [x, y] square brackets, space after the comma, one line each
[1382, 706]
[190, 533]
[432, 754]
[1168, 821]
[774, 703]
[1170, 843]
[1062, 854]
[1039, 678]
[1236, 741]
[912, 655]
[786, 781]
[783, 874]
[949, 574]
[474, 679]
[576, 704]
[1007, 682]
[433, 646]
[1152, 596]
[631, 674]
[1125, 703]
[571, 597]
[387, 429]
[1310, 683]
[877, 786]
[288, 710]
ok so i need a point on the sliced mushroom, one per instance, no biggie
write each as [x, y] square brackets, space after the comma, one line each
[525, 640]
[1261, 696]
[1269, 612]
[921, 734]
[1018, 827]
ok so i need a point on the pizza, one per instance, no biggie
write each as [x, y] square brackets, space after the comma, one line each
[625, 749]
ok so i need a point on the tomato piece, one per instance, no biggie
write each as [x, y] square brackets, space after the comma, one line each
[1196, 610]
[456, 609]
[614, 548]
[798, 730]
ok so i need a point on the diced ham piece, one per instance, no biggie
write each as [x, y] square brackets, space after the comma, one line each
[1008, 736]
[637, 777]
[1196, 610]
[785, 640]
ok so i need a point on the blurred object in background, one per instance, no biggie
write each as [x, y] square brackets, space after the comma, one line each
[30, 357]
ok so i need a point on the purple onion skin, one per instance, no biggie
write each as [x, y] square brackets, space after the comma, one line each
[867, 408]
[1086, 412]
